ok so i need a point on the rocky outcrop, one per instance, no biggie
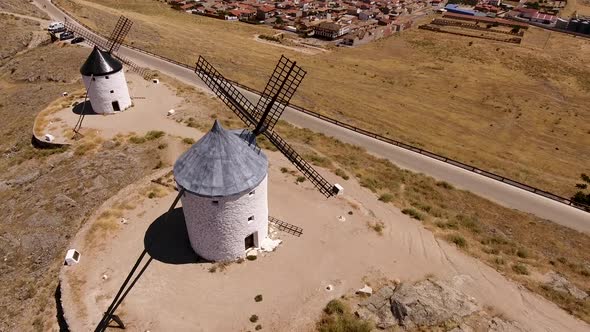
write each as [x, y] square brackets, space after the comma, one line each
[558, 283]
[429, 303]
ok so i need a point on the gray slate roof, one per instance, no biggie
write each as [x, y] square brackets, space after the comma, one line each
[220, 164]
[100, 63]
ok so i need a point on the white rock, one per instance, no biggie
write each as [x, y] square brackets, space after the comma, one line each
[171, 112]
[252, 252]
[105, 277]
[341, 219]
[329, 288]
[64, 93]
[49, 138]
[156, 81]
[365, 290]
[123, 221]
[269, 244]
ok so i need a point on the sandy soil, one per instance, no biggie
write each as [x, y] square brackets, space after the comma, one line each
[151, 103]
[292, 280]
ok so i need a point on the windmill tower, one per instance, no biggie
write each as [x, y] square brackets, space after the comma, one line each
[224, 178]
[105, 82]
[102, 73]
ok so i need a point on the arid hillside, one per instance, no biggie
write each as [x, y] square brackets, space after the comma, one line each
[46, 194]
[518, 110]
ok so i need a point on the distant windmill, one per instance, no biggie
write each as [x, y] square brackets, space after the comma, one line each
[102, 73]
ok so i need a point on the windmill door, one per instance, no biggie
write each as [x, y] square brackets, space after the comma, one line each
[116, 107]
[249, 241]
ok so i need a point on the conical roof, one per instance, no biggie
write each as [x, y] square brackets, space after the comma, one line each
[100, 63]
[220, 164]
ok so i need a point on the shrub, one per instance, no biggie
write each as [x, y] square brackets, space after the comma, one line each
[258, 298]
[254, 318]
[213, 269]
[458, 240]
[152, 195]
[445, 185]
[136, 139]
[499, 260]
[335, 307]
[581, 185]
[337, 317]
[585, 178]
[520, 269]
[284, 170]
[522, 253]
[300, 179]
[470, 223]
[377, 227]
[162, 146]
[188, 141]
[413, 213]
[251, 257]
[154, 134]
[341, 174]
[387, 197]
[258, 327]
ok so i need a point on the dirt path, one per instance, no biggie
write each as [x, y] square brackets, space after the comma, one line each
[310, 50]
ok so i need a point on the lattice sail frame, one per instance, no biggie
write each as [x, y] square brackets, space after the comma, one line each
[119, 33]
[103, 44]
[278, 92]
[245, 110]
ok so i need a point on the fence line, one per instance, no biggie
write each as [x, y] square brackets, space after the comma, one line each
[376, 136]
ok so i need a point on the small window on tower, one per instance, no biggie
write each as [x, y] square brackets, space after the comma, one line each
[252, 193]
[112, 91]
[106, 77]
[215, 202]
[250, 219]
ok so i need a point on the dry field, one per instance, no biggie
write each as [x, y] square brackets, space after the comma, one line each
[582, 7]
[518, 110]
[519, 245]
[23, 7]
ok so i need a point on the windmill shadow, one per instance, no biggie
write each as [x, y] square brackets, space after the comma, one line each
[86, 106]
[167, 240]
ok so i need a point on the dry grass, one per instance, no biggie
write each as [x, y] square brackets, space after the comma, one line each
[518, 110]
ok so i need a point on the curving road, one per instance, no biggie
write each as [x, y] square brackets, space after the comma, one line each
[498, 192]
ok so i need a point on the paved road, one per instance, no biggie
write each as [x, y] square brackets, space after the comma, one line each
[498, 192]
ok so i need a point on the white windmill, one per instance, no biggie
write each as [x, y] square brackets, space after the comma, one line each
[105, 82]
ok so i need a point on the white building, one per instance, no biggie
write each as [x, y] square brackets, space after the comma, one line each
[105, 82]
[225, 202]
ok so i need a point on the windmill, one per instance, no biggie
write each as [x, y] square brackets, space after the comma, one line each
[102, 73]
[222, 178]
[263, 116]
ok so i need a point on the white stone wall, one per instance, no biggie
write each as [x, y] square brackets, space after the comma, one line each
[100, 95]
[217, 231]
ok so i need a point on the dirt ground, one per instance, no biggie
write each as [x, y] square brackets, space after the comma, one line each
[176, 293]
[518, 110]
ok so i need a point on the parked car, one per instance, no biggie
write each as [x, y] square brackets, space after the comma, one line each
[53, 26]
[77, 40]
[66, 35]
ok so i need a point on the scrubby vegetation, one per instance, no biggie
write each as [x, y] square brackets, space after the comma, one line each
[337, 317]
